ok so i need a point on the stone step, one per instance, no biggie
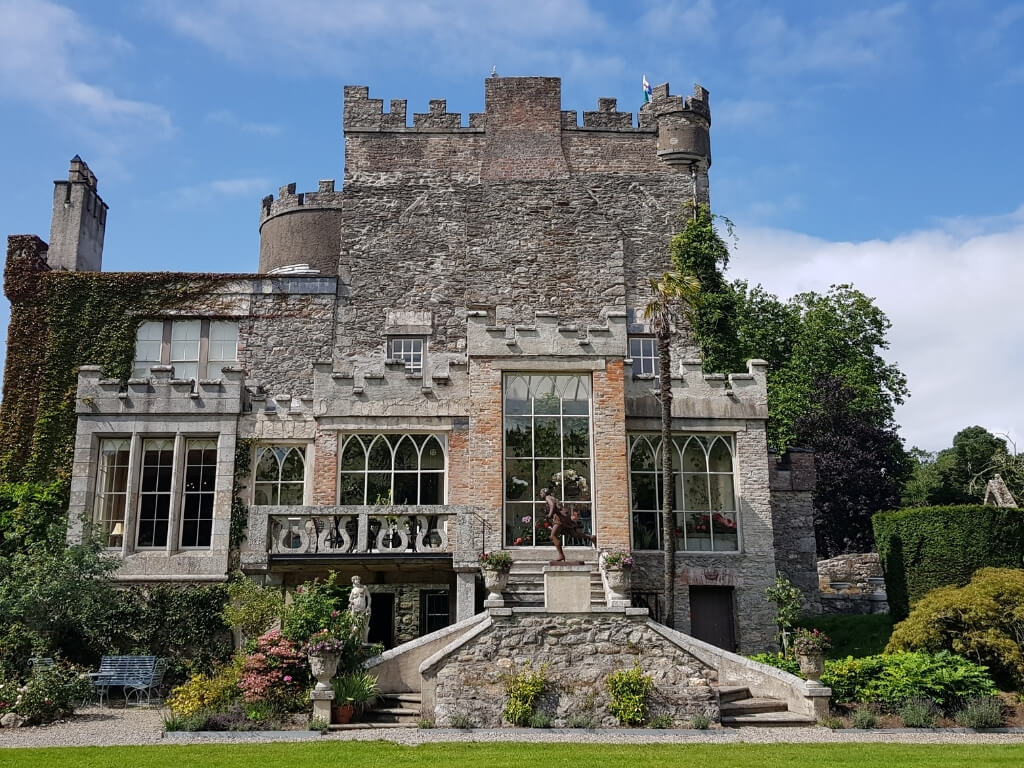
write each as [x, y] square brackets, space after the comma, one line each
[407, 697]
[768, 720]
[753, 706]
[396, 711]
[732, 693]
[366, 725]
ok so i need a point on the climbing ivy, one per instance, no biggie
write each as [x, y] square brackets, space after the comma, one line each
[59, 321]
[239, 509]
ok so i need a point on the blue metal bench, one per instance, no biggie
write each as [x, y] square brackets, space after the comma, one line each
[136, 676]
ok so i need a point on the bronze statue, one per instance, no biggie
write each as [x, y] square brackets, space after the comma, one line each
[563, 522]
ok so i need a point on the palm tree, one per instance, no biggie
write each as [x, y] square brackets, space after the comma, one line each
[670, 292]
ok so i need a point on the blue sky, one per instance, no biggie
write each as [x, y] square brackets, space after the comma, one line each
[873, 143]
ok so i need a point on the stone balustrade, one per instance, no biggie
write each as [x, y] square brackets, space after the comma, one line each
[359, 530]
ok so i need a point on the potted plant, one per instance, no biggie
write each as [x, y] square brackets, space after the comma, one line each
[353, 695]
[495, 567]
[616, 566]
[324, 652]
[810, 646]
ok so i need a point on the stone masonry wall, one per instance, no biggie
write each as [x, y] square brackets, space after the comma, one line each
[580, 650]
[792, 482]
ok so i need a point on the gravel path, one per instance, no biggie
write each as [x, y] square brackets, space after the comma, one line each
[95, 726]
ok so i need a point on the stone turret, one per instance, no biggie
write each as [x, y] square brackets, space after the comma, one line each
[301, 230]
[79, 221]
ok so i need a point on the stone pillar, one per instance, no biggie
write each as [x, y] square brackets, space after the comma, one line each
[567, 588]
[465, 594]
[325, 468]
[611, 481]
[321, 704]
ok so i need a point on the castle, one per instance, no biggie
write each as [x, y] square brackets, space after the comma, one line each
[419, 353]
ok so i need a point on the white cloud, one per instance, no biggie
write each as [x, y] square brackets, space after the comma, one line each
[954, 296]
[45, 52]
[228, 118]
[679, 18]
[211, 191]
[740, 113]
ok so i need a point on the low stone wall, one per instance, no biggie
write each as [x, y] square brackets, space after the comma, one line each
[864, 603]
[581, 650]
[850, 569]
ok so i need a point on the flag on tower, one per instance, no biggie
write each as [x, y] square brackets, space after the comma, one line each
[647, 90]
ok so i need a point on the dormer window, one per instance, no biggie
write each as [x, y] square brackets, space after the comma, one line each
[198, 349]
[409, 350]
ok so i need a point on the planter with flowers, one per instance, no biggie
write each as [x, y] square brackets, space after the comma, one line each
[616, 567]
[495, 567]
[324, 651]
[810, 646]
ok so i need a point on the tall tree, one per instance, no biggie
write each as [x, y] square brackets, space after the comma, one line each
[669, 296]
[860, 462]
[957, 475]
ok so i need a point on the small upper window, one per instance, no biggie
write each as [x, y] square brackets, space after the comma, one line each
[644, 352]
[196, 348]
[409, 351]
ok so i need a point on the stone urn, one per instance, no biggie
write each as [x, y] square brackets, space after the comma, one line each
[812, 665]
[495, 581]
[324, 666]
[618, 580]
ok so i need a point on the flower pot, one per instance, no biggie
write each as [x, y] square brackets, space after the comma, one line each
[618, 580]
[342, 713]
[495, 582]
[812, 665]
[324, 665]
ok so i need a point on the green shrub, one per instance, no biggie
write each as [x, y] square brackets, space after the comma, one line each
[661, 721]
[865, 719]
[580, 721]
[194, 722]
[892, 679]
[831, 721]
[983, 620]
[700, 722]
[48, 695]
[316, 605]
[461, 720]
[522, 689]
[919, 713]
[208, 692]
[629, 689]
[251, 609]
[540, 719]
[930, 547]
[425, 723]
[785, 663]
[982, 712]
[318, 724]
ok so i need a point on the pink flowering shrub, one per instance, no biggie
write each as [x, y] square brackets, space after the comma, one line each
[276, 673]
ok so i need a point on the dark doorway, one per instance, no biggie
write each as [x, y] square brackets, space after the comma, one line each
[382, 619]
[711, 616]
[434, 610]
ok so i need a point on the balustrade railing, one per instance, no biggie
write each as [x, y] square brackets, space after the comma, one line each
[405, 530]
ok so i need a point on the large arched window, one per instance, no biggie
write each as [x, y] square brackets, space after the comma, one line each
[280, 477]
[392, 469]
[705, 499]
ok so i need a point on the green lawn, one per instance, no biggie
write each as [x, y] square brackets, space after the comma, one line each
[853, 635]
[387, 755]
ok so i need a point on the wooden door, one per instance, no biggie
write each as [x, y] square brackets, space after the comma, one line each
[711, 616]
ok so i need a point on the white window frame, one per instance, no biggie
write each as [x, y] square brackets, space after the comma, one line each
[652, 441]
[207, 353]
[105, 524]
[186, 492]
[411, 350]
[169, 493]
[369, 440]
[643, 351]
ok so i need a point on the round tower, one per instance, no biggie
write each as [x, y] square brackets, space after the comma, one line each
[301, 230]
[684, 127]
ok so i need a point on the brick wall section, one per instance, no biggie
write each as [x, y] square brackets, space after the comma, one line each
[460, 468]
[325, 468]
[611, 479]
[485, 444]
[792, 479]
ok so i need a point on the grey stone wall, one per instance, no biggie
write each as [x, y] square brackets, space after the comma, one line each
[792, 480]
[581, 650]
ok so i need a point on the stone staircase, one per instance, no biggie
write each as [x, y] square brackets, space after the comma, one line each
[525, 588]
[739, 708]
[391, 710]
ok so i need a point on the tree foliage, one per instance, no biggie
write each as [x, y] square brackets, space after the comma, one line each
[958, 474]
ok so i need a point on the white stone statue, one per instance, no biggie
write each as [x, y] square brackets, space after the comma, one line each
[359, 606]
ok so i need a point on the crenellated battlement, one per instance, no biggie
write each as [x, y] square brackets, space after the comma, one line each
[288, 200]
[159, 393]
[547, 335]
[696, 394]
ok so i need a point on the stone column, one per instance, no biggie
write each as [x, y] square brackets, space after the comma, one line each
[465, 594]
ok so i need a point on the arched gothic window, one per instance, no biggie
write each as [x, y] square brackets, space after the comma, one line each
[392, 469]
[280, 475]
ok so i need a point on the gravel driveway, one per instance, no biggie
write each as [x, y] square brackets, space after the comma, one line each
[96, 726]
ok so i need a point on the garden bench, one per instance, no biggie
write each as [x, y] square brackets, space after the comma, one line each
[39, 663]
[136, 676]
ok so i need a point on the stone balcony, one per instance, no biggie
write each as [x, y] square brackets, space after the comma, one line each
[307, 534]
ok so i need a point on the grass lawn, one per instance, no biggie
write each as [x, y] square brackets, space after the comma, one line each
[359, 754]
[853, 635]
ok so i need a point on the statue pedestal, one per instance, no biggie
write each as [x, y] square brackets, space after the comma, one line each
[322, 704]
[567, 588]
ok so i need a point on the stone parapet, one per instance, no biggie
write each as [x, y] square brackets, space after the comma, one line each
[700, 395]
[159, 394]
[547, 335]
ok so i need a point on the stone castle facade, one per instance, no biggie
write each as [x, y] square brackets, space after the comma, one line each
[423, 349]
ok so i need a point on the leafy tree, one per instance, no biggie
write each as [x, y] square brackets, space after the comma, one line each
[699, 250]
[668, 295]
[860, 462]
[957, 475]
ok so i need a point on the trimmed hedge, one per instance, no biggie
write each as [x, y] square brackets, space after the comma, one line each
[929, 547]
